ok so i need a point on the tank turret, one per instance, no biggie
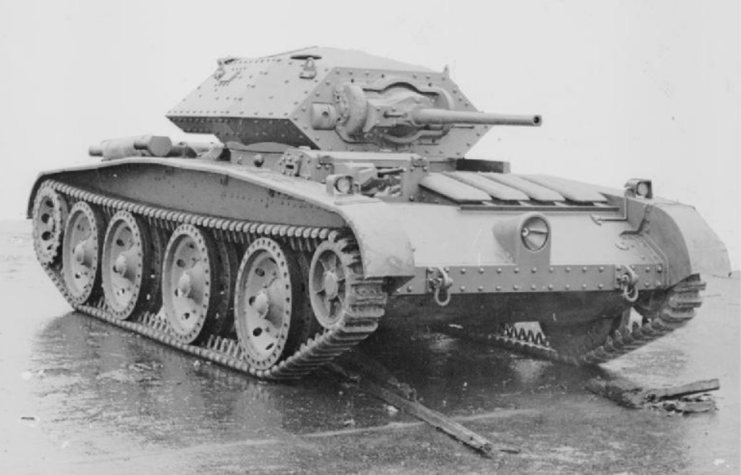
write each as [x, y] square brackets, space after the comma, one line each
[332, 99]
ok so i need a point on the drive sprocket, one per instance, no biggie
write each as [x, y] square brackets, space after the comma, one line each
[49, 216]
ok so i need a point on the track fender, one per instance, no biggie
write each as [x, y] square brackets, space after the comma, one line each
[684, 239]
[384, 246]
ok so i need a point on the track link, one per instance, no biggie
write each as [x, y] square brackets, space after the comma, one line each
[366, 300]
[668, 311]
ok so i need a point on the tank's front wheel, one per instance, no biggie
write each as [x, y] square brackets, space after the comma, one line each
[196, 284]
[330, 280]
[269, 302]
[83, 237]
[129, 265]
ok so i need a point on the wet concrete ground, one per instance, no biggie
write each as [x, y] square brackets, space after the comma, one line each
[78, 396]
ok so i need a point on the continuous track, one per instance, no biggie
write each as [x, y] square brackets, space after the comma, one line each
[365, 304]
[668, 312]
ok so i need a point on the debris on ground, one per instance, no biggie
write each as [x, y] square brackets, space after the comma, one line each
[133, 373]
[398, 394]
[684, 399]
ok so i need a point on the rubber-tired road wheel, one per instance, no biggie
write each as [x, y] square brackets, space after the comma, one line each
[83, 238]
[269, 304]
[197, 282]
[128, 266]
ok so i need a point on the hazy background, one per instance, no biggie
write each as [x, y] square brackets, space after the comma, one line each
[627, 89]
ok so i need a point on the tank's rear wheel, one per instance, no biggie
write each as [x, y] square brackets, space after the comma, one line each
[128, 265]
[575, 339]
[49, 218]
[83, 237]
[196, 284]
[269, 303]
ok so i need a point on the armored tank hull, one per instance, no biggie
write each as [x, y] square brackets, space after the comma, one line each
[339, 199]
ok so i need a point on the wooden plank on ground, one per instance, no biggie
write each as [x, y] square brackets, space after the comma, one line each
[433, 418]
[683, 390]
[677, 398]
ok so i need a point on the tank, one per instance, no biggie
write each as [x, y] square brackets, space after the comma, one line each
[339, 198]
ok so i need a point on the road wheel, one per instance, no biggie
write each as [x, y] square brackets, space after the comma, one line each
[129, 266]
[196, 284]
[83, 237]
[269, 306]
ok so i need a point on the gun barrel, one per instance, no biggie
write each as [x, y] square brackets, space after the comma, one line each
[442, 116]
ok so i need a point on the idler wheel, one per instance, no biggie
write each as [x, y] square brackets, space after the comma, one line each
[328, 283]
[197, 282]
[269, 304]
[83, 237]
[49, 217]
[130, 265]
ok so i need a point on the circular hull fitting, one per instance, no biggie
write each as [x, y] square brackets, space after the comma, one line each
[269, 304]
[129, 266]
[196, 284]
[49, 218]
[83, 237]
[330, 281]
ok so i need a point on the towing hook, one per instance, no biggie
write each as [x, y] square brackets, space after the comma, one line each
[438, 282]
[627, 284]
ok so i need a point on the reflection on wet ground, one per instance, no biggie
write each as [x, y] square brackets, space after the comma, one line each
[79, 396]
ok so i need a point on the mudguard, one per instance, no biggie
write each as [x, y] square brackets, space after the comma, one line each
[384, 246]
[685, 241]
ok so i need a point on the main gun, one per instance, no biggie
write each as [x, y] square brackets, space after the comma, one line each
[448, 117]
[401, 114]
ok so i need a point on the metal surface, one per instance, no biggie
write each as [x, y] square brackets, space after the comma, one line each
[533, 190]
[273, 99]
[127, 269]
[243, 195]
[145, 145]
[572, 191]
[494, 189]
[267, 299]
[50, 217]
[384, 204]
[191, 296]
[83, 238]
[432, 116]
[454, 190]
[329, 284]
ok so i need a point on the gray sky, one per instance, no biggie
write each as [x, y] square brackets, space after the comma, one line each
[627, 88]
